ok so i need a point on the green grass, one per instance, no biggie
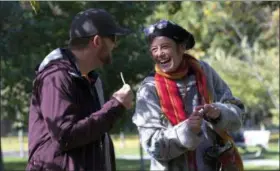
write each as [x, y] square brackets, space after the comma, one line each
[20, 164]
[12, 143]
[272, 153]
[131, 165]
[131, 144]
[16, 164]
[131, 147]
[261, 168]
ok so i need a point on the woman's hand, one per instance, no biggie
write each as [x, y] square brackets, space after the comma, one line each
[195, 121]
[209, 111]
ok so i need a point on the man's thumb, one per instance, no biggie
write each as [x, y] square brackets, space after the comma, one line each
[126, 87]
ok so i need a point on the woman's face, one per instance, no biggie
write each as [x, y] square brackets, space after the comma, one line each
[166, 53]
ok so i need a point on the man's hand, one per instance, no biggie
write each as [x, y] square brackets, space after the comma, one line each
[195, 121]
[125, 96]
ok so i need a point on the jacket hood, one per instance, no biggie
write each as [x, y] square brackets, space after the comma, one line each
[57, 54]
[54, 55]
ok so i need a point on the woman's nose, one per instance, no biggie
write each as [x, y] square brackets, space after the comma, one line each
[158, 53]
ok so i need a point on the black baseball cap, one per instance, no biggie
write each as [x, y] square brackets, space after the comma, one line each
[95, 22]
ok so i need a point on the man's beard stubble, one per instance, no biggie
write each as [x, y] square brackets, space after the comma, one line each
[105, 55]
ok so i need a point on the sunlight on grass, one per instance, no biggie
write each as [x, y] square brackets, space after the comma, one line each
[20, 164]
[261, 168]
[131, 147]
[12, 143]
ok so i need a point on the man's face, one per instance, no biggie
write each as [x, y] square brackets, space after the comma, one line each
[105, 52]
[166, 53]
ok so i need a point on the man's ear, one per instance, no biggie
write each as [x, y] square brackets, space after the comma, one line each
[96, 41]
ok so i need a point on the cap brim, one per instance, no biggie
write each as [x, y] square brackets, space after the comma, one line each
[122, 31]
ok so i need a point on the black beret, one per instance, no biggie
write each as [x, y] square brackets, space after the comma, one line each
[171, 30]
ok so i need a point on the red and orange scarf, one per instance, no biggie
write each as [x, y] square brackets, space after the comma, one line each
[170, 99]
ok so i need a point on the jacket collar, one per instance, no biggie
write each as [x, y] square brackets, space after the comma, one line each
[91, 76]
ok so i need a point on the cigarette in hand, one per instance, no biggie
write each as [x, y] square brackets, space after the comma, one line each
[122, 78]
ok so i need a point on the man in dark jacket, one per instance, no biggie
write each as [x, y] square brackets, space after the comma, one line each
[69, 119]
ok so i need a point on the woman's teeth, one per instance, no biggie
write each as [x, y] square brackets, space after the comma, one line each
[164, 62]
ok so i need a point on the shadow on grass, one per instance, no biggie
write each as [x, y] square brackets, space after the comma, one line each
[260, 154]
[122, 165]
[131, 165]
[14, 166]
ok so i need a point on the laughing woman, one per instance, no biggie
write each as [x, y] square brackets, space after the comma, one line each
[184, 110]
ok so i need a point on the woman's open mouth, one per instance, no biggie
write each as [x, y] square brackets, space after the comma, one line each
[165, 61]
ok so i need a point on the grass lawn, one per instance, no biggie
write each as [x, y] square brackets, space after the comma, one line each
[20, 164]
[12, 143]
[16, 164]
[261, 168]
[131, 144]
[131, 147]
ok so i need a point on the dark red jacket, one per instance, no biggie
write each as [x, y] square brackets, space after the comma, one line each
[67, 126]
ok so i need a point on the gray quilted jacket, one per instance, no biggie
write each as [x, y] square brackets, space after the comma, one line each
[168, 145]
